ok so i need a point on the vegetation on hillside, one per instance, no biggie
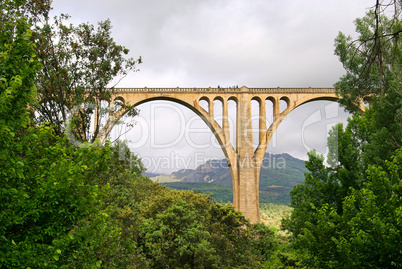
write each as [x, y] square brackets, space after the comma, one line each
[272, 214]
[219, 193]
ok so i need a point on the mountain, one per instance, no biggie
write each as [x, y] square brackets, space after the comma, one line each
[213, 171]
[276, 170]
[279, 173]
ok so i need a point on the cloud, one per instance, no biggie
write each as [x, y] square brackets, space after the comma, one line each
[257, 43]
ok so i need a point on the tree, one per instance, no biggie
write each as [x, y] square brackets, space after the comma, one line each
[373, 60]
[50, 210]
[373, 70]
[18, 67]
[177, 238]
[372, 220]
[347, 215]
[183, 229]
[357, 229]
[81, 67]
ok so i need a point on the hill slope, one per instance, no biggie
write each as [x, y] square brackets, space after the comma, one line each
[279, 173]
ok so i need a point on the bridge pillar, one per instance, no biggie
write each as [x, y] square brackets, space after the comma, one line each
[245, 187]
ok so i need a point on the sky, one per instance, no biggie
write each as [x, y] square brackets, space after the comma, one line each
[202, 43]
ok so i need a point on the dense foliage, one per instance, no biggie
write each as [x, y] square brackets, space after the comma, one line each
[348, 215]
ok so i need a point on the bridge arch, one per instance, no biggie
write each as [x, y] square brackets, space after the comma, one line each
[207, 101]
[245, 161]
[309, 100]
[212, 124]
[257, 98]
[233, 98]
[358, 107]
[219, 98]
[120, 98]
[309, 124]
[272, 100]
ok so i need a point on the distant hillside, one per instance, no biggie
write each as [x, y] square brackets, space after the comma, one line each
[279, 173]
[146, 174]
[220, 193]
[213, 171]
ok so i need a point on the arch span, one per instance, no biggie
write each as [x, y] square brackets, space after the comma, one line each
[244, 162]
[199, 111]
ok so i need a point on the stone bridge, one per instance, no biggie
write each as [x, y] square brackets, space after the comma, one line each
[244, 161]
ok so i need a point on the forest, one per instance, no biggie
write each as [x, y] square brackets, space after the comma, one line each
[85, 205]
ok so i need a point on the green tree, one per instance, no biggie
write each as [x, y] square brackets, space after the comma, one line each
[81, 65]
[51, 208]
[347, 215]
[177, 238]
[183, 229]
[123, 200]
[372, 61]
[18, 67]
[374, 73]
[361, 230]
[50, 211]
[372, 220]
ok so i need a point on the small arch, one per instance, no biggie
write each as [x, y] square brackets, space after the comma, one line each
[118, 103]
[255, 120]
[204, 103]
[257, 98]
[121, 99]
[270, 103]
[103, 111]
[284, 103]
[366, 101]
[218, 110]
[232, 113]
[233, 98]
[104, 103]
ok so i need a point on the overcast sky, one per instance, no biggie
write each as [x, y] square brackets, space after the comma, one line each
[253, 43]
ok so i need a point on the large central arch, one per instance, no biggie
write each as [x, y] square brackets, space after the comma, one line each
[202, 113]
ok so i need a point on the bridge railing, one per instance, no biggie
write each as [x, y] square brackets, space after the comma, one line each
[224, 90]
[292, 90]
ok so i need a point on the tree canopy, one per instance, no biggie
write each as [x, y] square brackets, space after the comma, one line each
[348, 214]
[80, 66]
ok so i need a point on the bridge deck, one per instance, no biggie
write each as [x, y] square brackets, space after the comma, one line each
[227, 90]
